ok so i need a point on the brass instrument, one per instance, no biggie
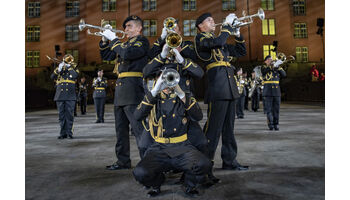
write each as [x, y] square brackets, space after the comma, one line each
[83, 25]
[282, 57]
[240, 85]
[68, 59]
[255, 82]
[170, 77]
[173, 40]
[170, 24]
[242, 22]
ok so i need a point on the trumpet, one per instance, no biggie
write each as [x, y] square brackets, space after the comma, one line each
[170, 77]
[173, 40]
[170, 24]
[68, 59]
[242, 22]
[282, 57]
[83, 25]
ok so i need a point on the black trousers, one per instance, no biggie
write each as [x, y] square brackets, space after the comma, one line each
[66, 116]
[83, 103]
[100, 108]
[240, 106]
[255, 101]
[150, 170]
[124, 115]
[221, 118]
[272, 105]
[246, 101]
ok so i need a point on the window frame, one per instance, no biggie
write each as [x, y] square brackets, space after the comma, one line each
[270, 52]
[148, 7]
[189, 5]
[299, 31]
[33, 33]
[267, 5]
[191, 24]
[268, 27]
[300, 53]
[149, 28]
[74, 11]
[33, 60]
[111, 5]
[228, 2]
[74, 30]
[34, 9]
[297, 8]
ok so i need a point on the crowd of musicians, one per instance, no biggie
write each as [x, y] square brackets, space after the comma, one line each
[165, 118]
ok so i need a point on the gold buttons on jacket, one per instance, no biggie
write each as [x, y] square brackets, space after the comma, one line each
[184, 120]
[174, 129]
[164, 115]
[174, 101]
[229, 76]
[174, 115]
[163, 101]
[187, 82]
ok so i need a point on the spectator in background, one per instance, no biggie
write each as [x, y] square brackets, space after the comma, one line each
[314, 73]
[322, 77]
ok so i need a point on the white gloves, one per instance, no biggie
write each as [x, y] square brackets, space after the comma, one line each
[99, 79]
[179, 92]
[277, 63]
[60, 66]
[242, 81]
[230, 18]
[165, 51]
[158, 87]
[164, 33]
[178, 56]
[109, 34]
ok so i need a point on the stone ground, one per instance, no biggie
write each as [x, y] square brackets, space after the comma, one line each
[288, 164]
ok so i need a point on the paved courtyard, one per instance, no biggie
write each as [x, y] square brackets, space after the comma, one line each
[287, 164]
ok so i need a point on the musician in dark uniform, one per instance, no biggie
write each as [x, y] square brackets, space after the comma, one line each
[254, 85]
[222, 89]
[169, 112]
[83, 95]
[99, 84]
[65, 75]
[242, 93]
[129, 92]
[246, 90]
[272, 73]
[188, 72]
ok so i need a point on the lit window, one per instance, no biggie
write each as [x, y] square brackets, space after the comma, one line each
[33, 59]
[33, 33]
[299, 7]
[268, 4]
[109, 5]
[150, 27]
[300, 30]
[228, 4]
[33, 9]
[72, 33]
[189, 5]
[302, 54]
[268, 27]
[190, 28]
[149, 5]
[267, 50]
[72, 8]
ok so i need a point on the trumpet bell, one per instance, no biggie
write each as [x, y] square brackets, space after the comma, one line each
[173, 40]
[261, 13]
[68, 58]
[170, 23]
[81, 24]
[170, 77]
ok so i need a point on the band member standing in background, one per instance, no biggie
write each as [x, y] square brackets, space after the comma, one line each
[272, 92]
[222, 89]
[254, 85]
[242, 93]
[129, 91]
[83, 95]
[65, 75]
[99, 84]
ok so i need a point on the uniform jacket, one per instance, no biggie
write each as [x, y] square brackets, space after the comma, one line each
[65, 83]
[83, 89]
[168, 117]
[271, 80]
[100, 87]
[211, 49]
[187, 70]
[133, 56]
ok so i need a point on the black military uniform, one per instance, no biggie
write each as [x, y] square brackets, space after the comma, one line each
[65, 98]
[255, 98]
[242, 93]
[83, 97]
[272, 94]
[222, 90]
[77, 100]
[99, 95]
[133, 56]
[168, 123]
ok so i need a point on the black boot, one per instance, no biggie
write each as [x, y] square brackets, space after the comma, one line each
[191, 191]
[155, 191]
